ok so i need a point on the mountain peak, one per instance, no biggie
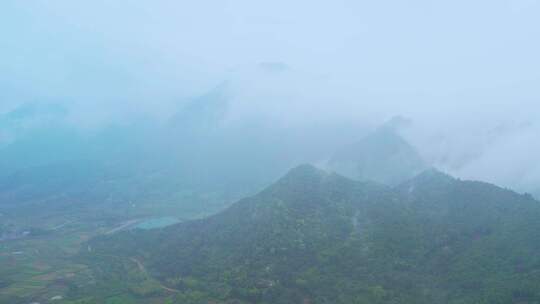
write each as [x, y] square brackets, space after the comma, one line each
[382, 156]
[303, 176]
[428, 179]
[312, 227]
[432, 174]
[306, 170]
[205, 111]
[306, 185]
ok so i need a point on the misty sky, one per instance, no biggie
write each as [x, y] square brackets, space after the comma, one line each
[466, 72]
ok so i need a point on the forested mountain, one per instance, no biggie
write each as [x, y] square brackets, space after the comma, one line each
[316, 237]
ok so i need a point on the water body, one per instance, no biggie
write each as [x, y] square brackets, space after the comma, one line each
[159, 222]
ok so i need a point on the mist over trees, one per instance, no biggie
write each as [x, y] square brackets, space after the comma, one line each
[236, 152]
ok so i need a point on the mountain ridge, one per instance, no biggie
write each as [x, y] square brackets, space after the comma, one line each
[323, 238]
[382, 156]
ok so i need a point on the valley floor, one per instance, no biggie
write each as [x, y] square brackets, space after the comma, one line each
[44, 267]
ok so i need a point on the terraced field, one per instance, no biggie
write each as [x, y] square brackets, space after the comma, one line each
[45, 266]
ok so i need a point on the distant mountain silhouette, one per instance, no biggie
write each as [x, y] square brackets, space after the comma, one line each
[382, 156]
[204, 112]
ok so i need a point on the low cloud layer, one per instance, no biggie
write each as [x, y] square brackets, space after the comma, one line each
[466, 73]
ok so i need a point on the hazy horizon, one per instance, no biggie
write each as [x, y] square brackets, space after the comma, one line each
[269, 152]
[465, 73]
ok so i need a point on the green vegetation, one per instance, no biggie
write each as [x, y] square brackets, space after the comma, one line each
[312, 237]
[39, 259]
[315, 237]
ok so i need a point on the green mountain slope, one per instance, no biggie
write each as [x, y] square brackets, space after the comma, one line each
[314, 237]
